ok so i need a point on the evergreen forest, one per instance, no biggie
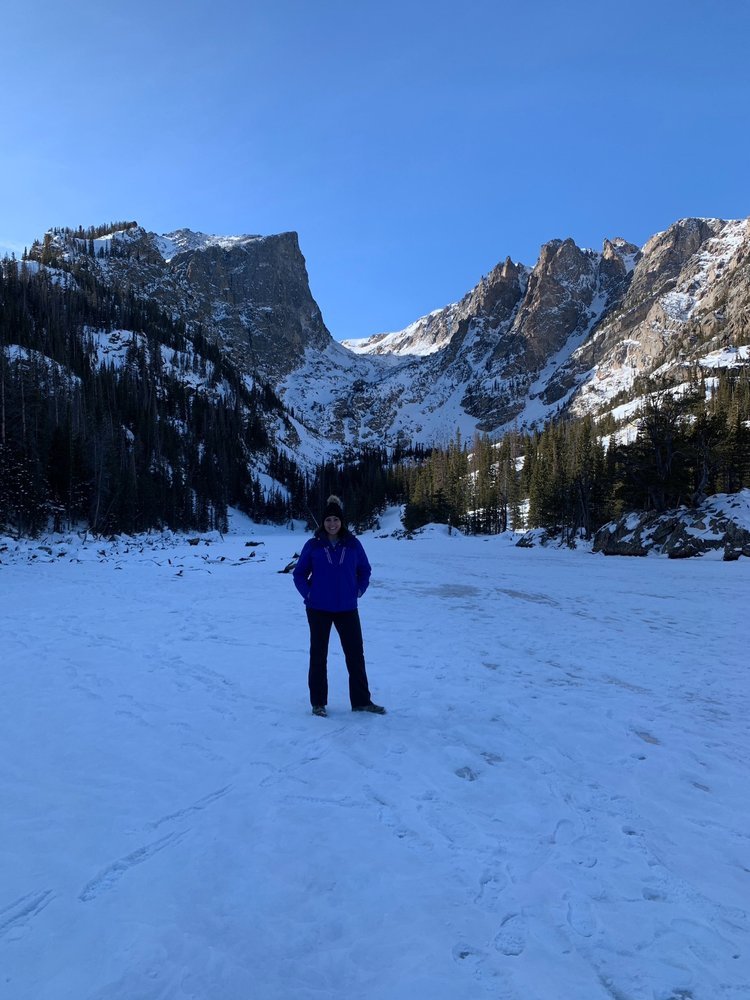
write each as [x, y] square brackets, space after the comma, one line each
[123, 447]
[139, 444]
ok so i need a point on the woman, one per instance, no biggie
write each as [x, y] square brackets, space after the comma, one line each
[331, 573]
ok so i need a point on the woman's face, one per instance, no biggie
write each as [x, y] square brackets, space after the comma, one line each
[332, 525]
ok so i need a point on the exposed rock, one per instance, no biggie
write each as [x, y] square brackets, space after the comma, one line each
[687, 295]
[534, 536]
[257, 294]
[560, 292]
[521, 346]
[493, 301]
[721, 523]
[250, 294]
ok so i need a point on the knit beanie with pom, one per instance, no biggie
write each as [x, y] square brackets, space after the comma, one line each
[334, 508]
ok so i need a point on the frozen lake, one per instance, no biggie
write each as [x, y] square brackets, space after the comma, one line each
[554, 807]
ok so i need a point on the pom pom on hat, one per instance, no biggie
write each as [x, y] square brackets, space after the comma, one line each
[334, 508]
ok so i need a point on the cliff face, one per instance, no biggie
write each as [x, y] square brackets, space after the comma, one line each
[688, 296]
[250, 294]
[496, 343]
[257, 295]
[581, 326]
[522, 345]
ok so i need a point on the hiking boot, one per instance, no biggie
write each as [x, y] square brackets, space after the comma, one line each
[319, 710]
[375, 709]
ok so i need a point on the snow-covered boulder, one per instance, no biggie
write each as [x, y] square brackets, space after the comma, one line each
[721, 523]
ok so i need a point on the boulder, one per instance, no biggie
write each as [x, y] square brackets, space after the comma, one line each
[721, 523]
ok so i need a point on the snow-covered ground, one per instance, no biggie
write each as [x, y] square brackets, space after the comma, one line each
[555, 807]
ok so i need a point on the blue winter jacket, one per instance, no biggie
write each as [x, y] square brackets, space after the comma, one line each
[332, 577]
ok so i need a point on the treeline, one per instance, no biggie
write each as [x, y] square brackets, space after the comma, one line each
[367, 481]
[141, 443]
[93, 232]
[45, 251]
[575, 475]
[570, 478]
[129, 446]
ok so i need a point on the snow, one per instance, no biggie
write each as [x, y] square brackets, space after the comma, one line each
[535, 411]
[183, 240]
[733, 505]
[629, 260]
[727, 357]
[707, 265]
[408, 396]
[708, 262]
[678, 306]
[555, 805]
[16, 353]
[111, 346]
[56, 274]
[418, 339]
[719, 251]
[594, 396]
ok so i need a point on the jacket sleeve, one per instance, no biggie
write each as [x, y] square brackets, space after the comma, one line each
[303, 570]
[364, 569]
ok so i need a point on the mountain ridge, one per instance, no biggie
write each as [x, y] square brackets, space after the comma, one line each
[161, 378]
[523, 345]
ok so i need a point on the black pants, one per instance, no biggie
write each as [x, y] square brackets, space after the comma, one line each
[350, 634]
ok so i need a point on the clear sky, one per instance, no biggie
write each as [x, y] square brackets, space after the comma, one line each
[412, 145]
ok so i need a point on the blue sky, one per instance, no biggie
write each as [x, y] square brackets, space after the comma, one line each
[412, 145]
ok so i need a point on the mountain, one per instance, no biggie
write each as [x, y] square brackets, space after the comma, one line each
[248, 294]
[115, 416]
[149, 377]
[571, 333]
[577, 330]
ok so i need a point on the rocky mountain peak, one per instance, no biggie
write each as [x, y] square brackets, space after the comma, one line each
[572, 332]
[618, 249]
[249, 293]
[186, 240]
[665, 255]
[617, 262]
[560, 292]
[497, 294]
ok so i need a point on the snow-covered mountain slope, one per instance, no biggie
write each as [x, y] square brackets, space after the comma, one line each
[426, 336]
[688, 298]
[250, 294]
[573, 332]
[187, 241]
[525, 344]
[553, 807]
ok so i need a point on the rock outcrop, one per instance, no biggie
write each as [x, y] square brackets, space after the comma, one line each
[250, 294]
[720, 524]
[524, 345]
[256, 297]
[687, 295]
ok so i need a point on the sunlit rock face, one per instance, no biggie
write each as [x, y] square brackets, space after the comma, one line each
[569, 334]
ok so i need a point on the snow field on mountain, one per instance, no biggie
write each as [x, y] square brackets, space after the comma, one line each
[554, 808]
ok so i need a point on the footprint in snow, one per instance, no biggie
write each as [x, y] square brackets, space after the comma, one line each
[511, 938]
[466, 953]
[563, 832]
[491, 887]
[109, 876]
[647, 737]
[580, 917]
